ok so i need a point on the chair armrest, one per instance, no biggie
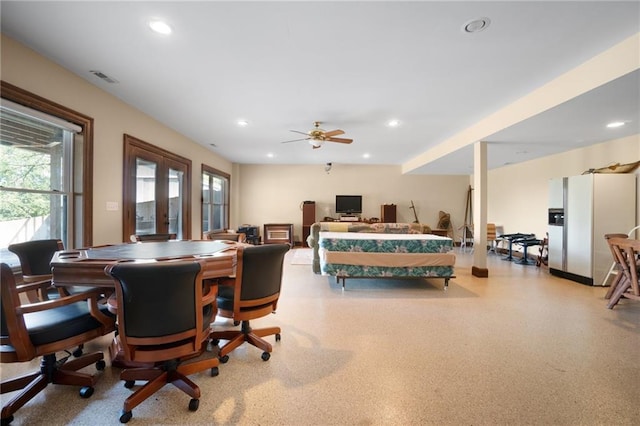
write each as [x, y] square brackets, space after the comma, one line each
[90, 294]
[209, 298]
[39, 285]
[28, 279]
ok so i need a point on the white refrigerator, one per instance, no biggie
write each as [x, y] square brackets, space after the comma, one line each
[582, 209]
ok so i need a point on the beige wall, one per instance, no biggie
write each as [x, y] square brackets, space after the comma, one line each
[273, 193]
[517, 194]
[28, 70]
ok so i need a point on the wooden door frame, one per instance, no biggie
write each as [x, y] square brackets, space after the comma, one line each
[132, 147]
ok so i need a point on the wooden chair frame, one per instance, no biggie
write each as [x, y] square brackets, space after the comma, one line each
[616, 267]
[627, 254]
[18, 347]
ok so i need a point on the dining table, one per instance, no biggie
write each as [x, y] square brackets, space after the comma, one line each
[86, 267]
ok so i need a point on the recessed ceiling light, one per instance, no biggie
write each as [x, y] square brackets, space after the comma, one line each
[476, 25]
[615, 124]
[160, 27]
[270, 155]
[366, 155]
[243, 123]
[393, 123]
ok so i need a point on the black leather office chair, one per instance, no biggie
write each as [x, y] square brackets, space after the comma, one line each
[42, 329]
[165, 311]
[252, 293]
[35, 257]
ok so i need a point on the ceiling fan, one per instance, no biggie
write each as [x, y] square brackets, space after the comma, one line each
[318, 136]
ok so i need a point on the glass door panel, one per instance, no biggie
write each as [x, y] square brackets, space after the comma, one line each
[146, 196]
[176, 188]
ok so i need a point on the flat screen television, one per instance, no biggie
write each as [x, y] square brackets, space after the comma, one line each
[348, 204]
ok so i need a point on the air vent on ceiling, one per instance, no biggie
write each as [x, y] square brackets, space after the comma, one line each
[103, 76]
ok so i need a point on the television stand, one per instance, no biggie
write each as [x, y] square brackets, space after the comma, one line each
[349, 219]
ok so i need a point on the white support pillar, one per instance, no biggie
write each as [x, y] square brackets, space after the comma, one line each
[479, 268]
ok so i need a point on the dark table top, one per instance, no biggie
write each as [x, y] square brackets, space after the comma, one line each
[172, 249]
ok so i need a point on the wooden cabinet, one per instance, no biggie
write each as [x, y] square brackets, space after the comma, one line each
[388, 213]
[308, 219]
[276, 233]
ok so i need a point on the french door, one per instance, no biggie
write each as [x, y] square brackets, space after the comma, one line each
[156, 191]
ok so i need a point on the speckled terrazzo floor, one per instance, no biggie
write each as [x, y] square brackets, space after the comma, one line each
[519, 348]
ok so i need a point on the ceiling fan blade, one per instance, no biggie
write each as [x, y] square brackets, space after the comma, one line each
[333, 133]
[296, 140]
[340, 140]
[297, 131]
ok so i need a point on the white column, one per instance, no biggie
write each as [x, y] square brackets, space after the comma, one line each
[480, 208]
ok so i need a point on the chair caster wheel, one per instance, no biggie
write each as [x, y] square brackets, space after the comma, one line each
[129, 384]
[125, 416]
[86, 392]
[277, 337]
[214, 371]
[7, 420]
[100, 365]
[224, 359]
[194, 404]
[266, 356]
[77, 353]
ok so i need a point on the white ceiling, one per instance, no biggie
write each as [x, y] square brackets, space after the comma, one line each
[350, 65]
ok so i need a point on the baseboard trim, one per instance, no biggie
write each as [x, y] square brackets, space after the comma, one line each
[479, 272]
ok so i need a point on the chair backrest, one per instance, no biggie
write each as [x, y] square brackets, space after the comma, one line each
[262, 267]
[35, 256]
[153, 237]
[491, 232]
[231, 236]
[258, 280]
[163, 310]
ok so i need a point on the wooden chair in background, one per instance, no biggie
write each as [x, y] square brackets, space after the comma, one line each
[627, 252]
[152, 237]
[491, 237]
[225, 235]
[616, 267]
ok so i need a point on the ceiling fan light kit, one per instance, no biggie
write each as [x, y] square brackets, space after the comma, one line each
[317, 136]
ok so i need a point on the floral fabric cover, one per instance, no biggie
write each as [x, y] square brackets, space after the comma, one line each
[386, 244]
